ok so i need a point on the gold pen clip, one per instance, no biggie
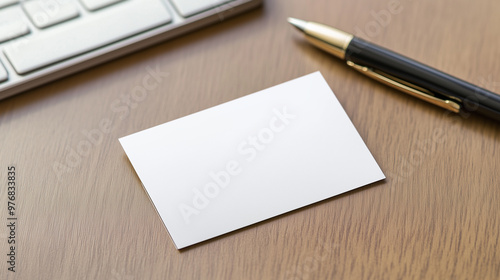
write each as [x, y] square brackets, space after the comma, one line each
[408, 88]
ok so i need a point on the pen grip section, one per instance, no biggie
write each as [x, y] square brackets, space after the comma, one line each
[473, 98]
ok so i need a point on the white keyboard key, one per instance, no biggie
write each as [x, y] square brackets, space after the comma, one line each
[76, 37]
[188, 8]
[93, 5]
[4, 3]
[45, 13]
[12, 23]
[3, 73]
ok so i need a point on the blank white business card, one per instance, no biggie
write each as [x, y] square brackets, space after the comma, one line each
[250, 159]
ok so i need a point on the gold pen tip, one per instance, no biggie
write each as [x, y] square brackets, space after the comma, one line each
[298, 23]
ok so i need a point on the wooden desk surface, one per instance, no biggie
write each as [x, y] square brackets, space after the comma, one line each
[82, 213]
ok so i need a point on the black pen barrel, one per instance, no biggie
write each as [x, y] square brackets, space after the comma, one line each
[474, 99]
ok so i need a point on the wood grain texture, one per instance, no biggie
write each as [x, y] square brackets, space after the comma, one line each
[437, 216]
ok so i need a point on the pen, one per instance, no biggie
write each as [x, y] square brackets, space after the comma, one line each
[402, 73]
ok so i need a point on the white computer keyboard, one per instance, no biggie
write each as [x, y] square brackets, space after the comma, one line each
[43, 40]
